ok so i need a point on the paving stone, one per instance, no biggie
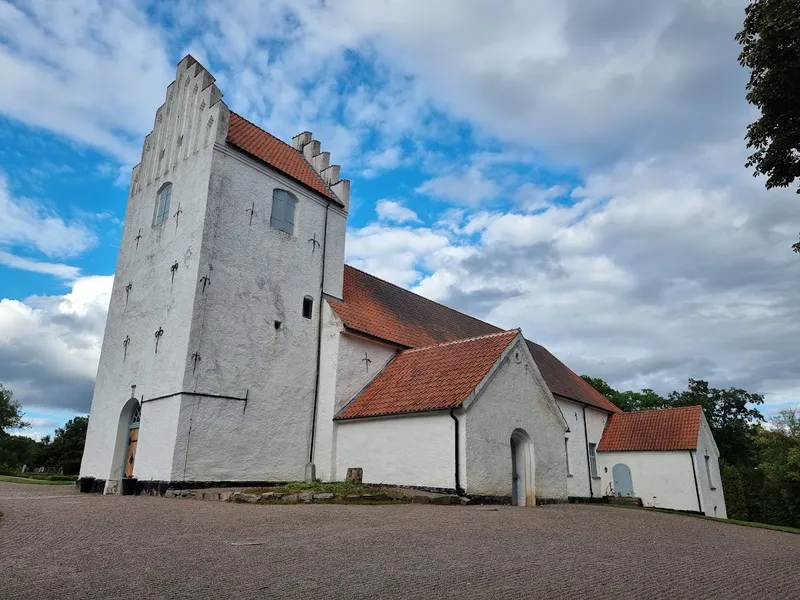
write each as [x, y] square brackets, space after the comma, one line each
[396, 496]
[325, 496]
[445, 499]
[270, 496]
[291, 498]
[420, 499]
[131, 544]
[306, 496]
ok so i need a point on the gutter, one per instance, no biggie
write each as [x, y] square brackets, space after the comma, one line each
[588, 462]
[319, 339]
[696, 487]
[459, 489]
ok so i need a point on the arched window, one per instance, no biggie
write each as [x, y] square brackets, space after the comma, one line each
[283, 204]
[162, 204]
[136, 416]
[308, 306]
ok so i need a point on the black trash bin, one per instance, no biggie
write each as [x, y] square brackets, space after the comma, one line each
[129, 486]
[87, 483]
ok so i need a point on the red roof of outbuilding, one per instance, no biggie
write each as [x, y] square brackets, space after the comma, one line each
[431, 378]
[386, 311]
[663, 429]
[266, 147]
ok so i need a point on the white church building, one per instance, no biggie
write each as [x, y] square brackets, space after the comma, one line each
[240, 349]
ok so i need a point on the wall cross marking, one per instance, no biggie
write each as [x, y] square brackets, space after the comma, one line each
[137, 238]
[174, 268]
[314, 243]
[195, 359]
[252, 211]
[159, 333]
[366, 360]
[125, 343]
[128, 289]
[205, 280]
[177, 215]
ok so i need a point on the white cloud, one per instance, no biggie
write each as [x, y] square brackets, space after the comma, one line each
[93, 71]
[36, 266]
[28, 223]
[469, 186]
[531, 197]
[384, 160]
[391, 210]
[50, 345]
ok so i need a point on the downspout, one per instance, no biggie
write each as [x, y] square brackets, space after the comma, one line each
[459, 490]
[588, 462]
[319, 339]
[696, 487]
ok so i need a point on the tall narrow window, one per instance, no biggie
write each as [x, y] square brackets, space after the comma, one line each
[308, 306]
[593, 460]
[162, 204]
[283, 205]
[566, 455]
[708, 473]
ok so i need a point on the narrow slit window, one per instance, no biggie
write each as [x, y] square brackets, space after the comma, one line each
[593, 460]
[162, 204]
[566, 454]
[308, 307]
[708, 473]
[283, 208]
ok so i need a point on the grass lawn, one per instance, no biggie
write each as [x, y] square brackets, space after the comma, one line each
[729, 521]
[10, 479]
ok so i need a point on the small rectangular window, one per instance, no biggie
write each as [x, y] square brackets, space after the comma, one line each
[308, 307]
[708, 473]
[593, 460]
[566, 454]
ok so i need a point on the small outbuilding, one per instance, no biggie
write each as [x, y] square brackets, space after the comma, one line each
[667, 458]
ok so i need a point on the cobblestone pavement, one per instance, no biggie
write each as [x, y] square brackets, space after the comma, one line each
[90, 546]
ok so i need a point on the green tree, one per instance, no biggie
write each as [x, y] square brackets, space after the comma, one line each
[66, 449]
[732, 421]
[735, 497]
[770, 40]
[628, 400]
[779, 464]
[10, 411]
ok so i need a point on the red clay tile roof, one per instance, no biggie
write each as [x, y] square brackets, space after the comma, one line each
[664, 429]
[266, 147]
[389, 312]
[432, 378]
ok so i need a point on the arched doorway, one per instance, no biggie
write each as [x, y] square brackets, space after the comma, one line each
[133, 440]
[523, 474]
[623, 481]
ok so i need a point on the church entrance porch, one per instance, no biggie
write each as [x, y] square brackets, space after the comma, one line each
[522, 469]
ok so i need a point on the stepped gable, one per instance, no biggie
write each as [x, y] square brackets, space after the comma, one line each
[266, 147]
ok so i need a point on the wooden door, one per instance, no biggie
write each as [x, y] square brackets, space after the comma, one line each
[130, 456]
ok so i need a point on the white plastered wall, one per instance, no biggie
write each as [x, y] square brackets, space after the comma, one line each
[662, 479]
[343, 374]
[513, 396]
[258, 276]
[177, 151]
[712, 496]
[415, 450]
[578, 480]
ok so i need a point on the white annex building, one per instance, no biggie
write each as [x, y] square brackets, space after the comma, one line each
[240, 348]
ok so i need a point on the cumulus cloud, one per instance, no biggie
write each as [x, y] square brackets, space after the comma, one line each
[50, 345]
[93, 71]
[391, 210]
[471, 187]
[25, 222]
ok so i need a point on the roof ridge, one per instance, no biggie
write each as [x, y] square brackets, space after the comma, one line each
[649, 410]
[464, 340]
[292, 148]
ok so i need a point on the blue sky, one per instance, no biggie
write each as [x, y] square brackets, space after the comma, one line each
[574, 169]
